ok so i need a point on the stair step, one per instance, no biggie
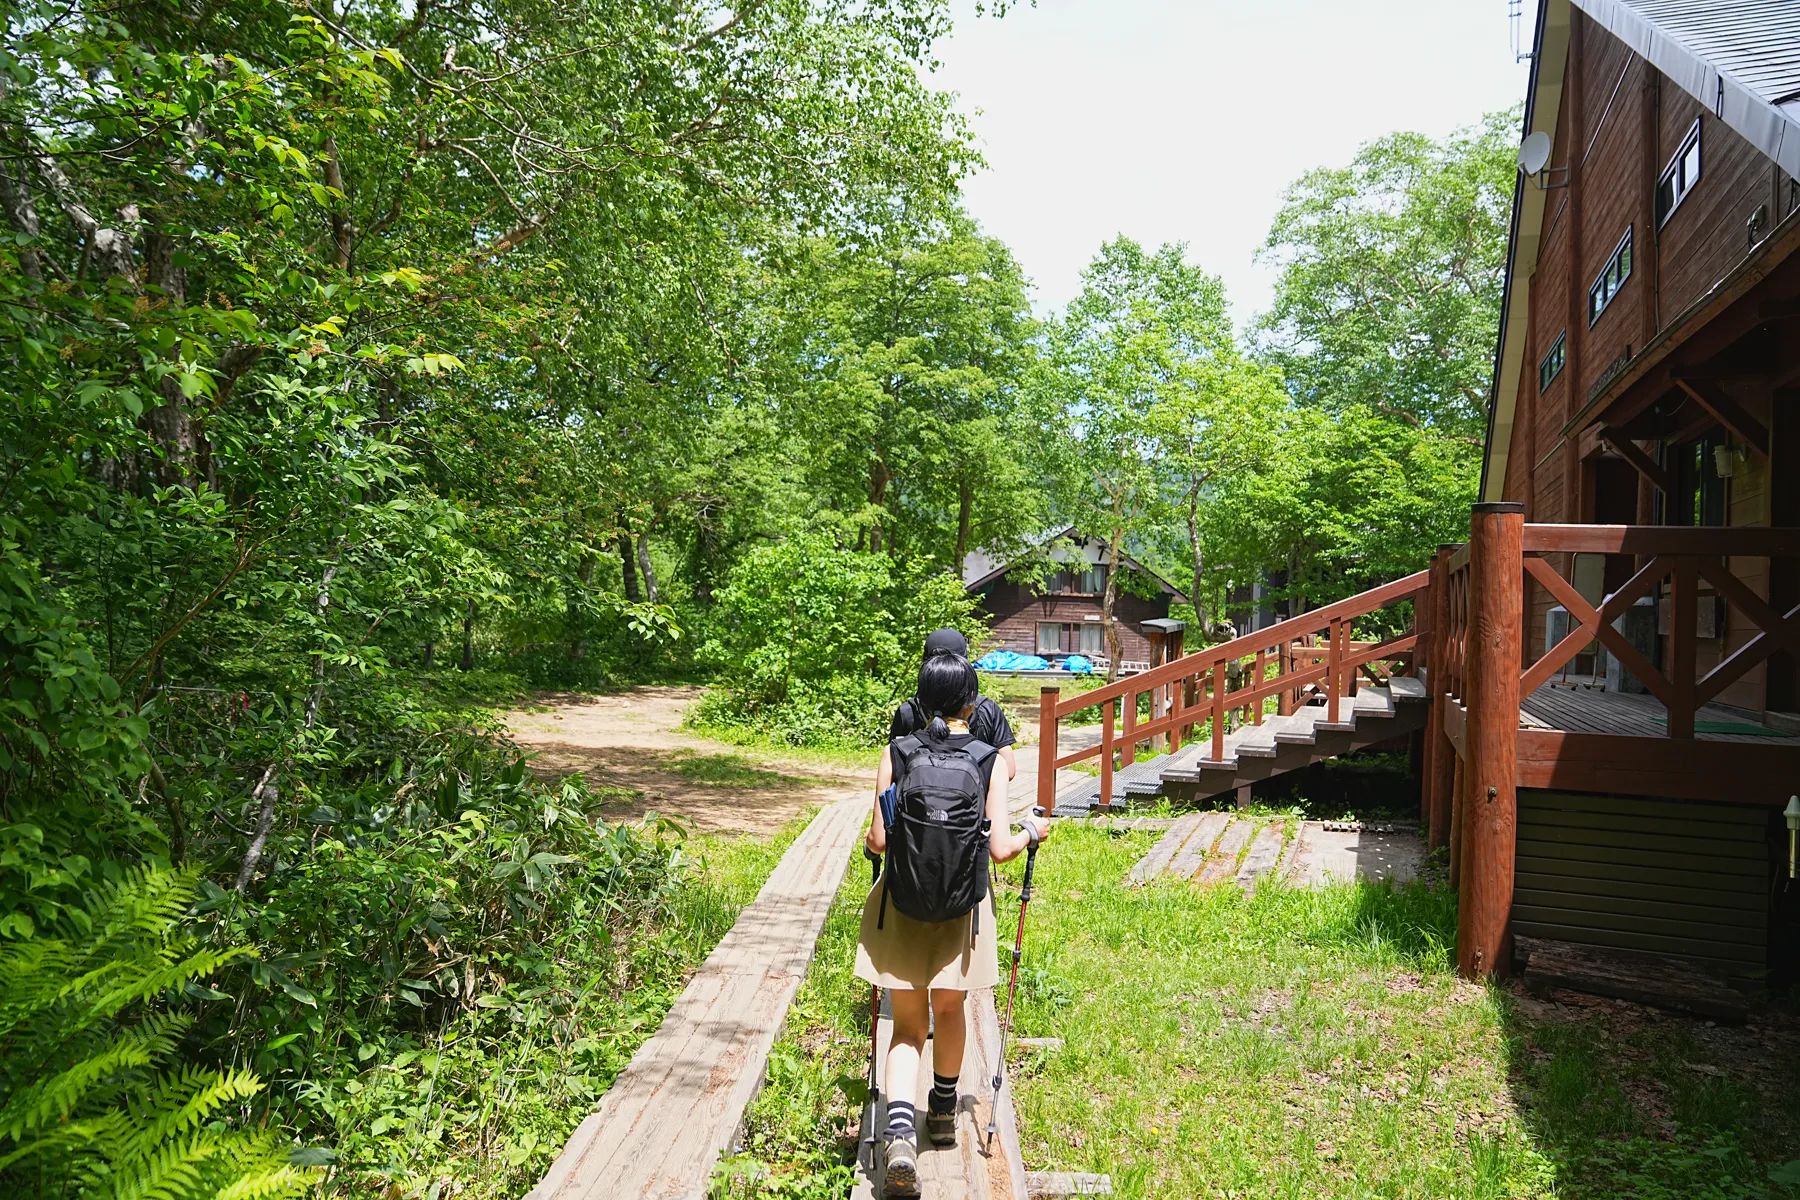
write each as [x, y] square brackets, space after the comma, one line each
[1256, 741]
[1408, 690]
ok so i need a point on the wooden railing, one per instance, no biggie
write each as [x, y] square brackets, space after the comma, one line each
[1210, 687]
[1480, 671]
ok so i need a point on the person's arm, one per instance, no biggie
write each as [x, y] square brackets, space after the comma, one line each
[876, 839]
[1003, 844]
[1003, 739]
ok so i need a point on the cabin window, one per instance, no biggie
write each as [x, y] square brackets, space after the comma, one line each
[1552, 365]
[1069, 637]
[1680, 176]
[1089, 581]
[1612, 278]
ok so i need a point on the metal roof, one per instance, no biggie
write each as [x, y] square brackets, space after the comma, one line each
[1740, 58]
[1757, 41]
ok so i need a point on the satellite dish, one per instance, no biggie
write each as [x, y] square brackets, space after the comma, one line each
[1534, 152]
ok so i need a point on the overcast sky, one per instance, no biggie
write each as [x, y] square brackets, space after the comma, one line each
[1183, 120]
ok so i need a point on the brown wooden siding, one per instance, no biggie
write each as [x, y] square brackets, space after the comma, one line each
[1665, 876]
[1705, 237]
[1015, 610]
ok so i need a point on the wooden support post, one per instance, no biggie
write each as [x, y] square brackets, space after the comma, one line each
[1262, 677]
[1490, 816]
[1683, 612]
[1218, 711]
[1177, 705]
[1106, 753]
[1128, 753]
[1333, 659]
[1159, 654]
[1046, 780]
[1284, 666]
[1456, 812]
[1441, 761]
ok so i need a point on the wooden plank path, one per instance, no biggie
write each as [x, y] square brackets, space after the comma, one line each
[678, 1105]
[974, 1168]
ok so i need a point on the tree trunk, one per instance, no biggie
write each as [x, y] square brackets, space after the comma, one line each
[965, 504]
[341, 229]
[572, 612]
[1114, 646]
[643, 557]
[878, 485]
[1193, 525]
[629, 568]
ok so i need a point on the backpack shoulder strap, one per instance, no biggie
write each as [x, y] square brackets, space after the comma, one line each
[979, 750]
[901, 751]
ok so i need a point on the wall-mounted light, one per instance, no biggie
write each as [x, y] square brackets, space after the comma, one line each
[1725, 460]
[1792, 813]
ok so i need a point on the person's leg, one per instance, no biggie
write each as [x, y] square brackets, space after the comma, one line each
[946, 1065]
[947, 1032]
[901, 1085]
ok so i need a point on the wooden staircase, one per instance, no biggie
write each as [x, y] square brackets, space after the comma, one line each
[1210, 729]
[1258, 751]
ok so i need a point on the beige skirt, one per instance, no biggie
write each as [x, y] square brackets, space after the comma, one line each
[909, 955]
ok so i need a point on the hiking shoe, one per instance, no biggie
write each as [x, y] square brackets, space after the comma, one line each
[940, 1127]
[902, 1166]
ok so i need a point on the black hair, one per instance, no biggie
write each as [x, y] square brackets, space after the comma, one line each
[947, 685]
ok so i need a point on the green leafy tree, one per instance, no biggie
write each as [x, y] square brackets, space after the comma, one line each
[1134, 339]
[819, 643]
[1391, 274]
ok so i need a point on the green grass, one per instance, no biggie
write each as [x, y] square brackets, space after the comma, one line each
[1297, 1043]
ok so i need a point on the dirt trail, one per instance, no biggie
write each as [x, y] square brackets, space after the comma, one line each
[632, 748]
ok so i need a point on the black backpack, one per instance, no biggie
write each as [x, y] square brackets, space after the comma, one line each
[937, 866]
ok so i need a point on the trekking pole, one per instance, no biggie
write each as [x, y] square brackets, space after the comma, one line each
[1012, 985]
[874, 1026]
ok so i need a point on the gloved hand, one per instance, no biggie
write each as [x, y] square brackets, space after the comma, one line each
[1036, 827]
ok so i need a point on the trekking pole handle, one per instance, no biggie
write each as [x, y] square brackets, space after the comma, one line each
[874, 863]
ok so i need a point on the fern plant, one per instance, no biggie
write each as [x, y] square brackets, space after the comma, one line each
[92, 1103]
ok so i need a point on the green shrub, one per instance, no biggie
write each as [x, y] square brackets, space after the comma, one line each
[90, 1103]
[819, 643]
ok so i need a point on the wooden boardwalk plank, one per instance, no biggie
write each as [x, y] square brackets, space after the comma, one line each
[1199, 845]
[1223, 862]
[1263, 853]
[678, 1105]
[1164, 851]
[973, 1169]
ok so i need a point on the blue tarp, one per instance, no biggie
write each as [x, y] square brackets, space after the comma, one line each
[1078, 664]
[1010, 660]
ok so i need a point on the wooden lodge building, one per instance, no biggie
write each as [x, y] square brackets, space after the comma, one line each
[1062, 615]
[1647, 376]
[1605, 679]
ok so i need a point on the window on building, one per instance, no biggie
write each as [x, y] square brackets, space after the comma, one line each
[1089, 581]
[1552, 365]
[1680, 176]
[1071, 637]
[1612, 277]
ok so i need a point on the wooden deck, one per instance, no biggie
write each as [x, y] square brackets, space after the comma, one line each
[678, 1105]
[1591, 710]
[974, 1168]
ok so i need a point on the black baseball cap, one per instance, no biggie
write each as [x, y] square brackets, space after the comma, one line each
[946, 641]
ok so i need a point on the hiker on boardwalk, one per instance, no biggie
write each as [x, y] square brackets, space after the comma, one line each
[987, 723]
[928, 924]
